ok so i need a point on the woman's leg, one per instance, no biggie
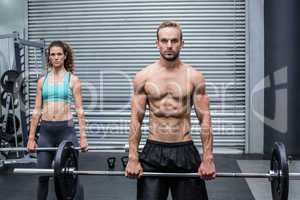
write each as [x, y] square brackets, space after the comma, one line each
[44, 160]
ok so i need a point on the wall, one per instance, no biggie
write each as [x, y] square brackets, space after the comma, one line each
[255, 75]
[282, 71]
[12, 18]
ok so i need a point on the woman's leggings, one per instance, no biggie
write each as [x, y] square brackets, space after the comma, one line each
[52, 133]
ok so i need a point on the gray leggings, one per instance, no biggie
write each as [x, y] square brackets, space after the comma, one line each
[52, 133]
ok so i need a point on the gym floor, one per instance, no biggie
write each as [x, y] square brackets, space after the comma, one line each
[119, 188]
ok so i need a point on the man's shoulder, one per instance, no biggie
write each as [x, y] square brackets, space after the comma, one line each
[145, 72]
[194, 73]
[141, 76]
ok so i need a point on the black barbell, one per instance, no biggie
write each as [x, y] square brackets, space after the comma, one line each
[23, 149]
[66, 172]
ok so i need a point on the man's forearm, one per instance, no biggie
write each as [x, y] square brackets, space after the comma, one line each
[134, 140]
[207, 143]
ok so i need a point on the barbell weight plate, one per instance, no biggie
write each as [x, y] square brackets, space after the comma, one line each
[8, 80]
[66, 184]
[279, 184]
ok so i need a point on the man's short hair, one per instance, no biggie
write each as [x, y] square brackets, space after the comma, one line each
[173, 24]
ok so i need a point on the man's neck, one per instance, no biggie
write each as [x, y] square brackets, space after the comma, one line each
[170, 65]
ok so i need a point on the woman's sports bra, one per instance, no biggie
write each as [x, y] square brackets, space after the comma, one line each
[58, 92]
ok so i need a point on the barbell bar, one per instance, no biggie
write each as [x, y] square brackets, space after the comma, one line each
[65, 172]
[72, 171]
[15, 149]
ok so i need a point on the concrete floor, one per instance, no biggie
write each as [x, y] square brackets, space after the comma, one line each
[261, 188]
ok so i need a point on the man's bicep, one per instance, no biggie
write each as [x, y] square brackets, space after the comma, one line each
[199, 84]
[139, 98]
[138, 106]
[201, 100]
[201, 104]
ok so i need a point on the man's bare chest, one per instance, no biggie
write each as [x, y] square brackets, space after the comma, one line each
[175, 87]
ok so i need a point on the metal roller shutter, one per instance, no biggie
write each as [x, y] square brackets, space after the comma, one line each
[113, 39]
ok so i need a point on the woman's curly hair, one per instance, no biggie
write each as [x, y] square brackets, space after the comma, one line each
[68, 52]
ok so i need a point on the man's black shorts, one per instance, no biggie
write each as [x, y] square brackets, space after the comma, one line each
[180, 157]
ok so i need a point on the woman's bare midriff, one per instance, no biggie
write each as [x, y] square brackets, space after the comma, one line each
[56, 111]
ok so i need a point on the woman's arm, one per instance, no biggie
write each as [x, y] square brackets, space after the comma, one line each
[36, 115]
[80, 112]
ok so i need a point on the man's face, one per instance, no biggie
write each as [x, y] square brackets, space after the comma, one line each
[169, 43]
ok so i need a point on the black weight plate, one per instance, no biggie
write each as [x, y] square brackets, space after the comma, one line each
[19, 88]
[8, 80]
[279, 164]
[4, 98]
[22, 92]
[65, 183]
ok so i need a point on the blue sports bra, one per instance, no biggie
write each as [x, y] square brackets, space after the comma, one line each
[59, 92]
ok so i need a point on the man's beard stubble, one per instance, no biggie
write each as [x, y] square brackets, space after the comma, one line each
[176, 55]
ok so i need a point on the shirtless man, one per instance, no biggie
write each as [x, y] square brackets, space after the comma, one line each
[170, 88]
